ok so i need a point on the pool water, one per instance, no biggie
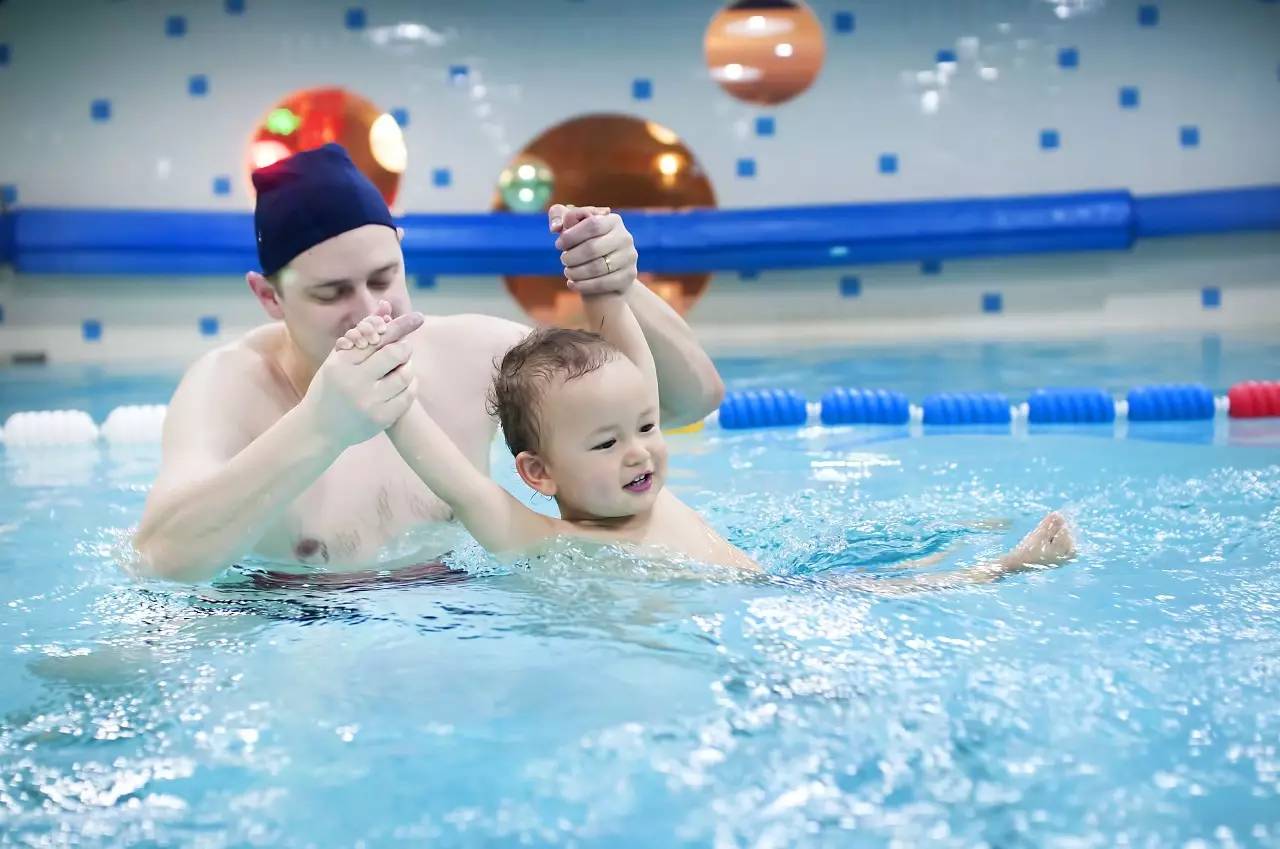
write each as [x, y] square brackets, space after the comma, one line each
[1129, 697]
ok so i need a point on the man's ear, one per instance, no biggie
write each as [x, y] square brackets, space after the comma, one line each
[533, 471]
[266, 294]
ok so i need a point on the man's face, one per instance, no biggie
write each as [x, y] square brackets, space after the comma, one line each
[328, 288]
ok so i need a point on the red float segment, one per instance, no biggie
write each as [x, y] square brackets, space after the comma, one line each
[1255, 399]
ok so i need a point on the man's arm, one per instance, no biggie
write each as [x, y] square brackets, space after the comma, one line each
[211, 502]
[218, 492]
[689, 385]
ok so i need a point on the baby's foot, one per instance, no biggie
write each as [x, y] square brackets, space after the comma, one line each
[1049, 544]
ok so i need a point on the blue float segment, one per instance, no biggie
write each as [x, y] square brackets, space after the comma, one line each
[121, 241]
[1217, 211]
[1170, 402]
[864, 406]
[962, 408]
[7, 221]
[1070, 406]
[763, 408]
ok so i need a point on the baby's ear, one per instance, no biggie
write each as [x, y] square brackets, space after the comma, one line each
[534, 472]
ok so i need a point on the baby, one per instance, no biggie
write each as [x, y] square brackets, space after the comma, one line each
[579, 412]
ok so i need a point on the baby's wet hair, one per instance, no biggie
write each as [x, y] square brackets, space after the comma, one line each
[530, 367]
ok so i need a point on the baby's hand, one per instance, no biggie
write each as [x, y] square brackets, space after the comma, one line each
[563, 216]
[367, 334]
[376, 332]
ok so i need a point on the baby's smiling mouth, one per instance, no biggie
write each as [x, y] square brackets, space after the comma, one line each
[640, 483]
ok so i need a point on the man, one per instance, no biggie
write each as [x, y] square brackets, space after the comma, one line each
[272, 445]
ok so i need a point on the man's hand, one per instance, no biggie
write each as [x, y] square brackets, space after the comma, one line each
[598, 253]
[359, 392]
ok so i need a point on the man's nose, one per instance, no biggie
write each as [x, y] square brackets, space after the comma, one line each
[368, 302]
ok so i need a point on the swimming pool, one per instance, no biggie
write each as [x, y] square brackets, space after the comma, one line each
[1129, 697]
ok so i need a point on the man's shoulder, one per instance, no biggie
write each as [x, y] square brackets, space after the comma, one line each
[474, 332]
[243, 364]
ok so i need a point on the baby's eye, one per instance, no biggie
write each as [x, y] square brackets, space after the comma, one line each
[646, 428]
[606, 445]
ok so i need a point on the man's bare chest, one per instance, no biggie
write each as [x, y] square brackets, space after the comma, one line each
[368, 497]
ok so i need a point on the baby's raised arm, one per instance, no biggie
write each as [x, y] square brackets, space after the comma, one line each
[611, 317]
[492, 515]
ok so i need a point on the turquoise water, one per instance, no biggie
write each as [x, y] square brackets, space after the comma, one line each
[1131, 696]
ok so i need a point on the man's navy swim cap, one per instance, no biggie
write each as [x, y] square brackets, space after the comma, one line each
[308, 198]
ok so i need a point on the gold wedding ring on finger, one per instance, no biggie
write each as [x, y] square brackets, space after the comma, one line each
[608, 269]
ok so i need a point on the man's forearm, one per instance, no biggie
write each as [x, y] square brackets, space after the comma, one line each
[688, 383]
[194, 531]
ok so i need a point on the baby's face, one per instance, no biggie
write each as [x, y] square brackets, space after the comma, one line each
[602, 444]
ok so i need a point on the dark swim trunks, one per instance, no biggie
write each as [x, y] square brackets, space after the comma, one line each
[432, 572]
